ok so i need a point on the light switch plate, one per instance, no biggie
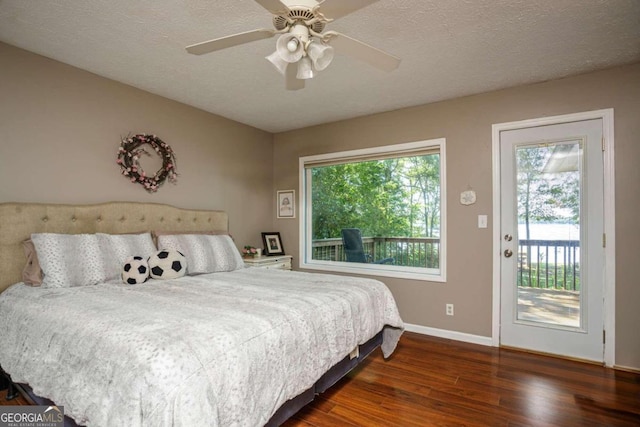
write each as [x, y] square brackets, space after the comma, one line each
[482, 221]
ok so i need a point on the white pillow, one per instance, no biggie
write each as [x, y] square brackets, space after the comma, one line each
[69, 260]
[204, 253]
[124, 246]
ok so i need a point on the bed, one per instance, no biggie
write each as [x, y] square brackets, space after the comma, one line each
[244, 347]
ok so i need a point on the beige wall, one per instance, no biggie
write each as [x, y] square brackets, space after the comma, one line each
[60, 129]
[466, 124]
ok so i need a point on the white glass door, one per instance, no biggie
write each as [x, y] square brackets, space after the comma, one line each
[552, 231]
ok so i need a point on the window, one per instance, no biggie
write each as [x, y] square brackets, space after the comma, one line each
[388, 201]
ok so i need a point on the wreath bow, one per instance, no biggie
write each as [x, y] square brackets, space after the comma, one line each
[129, 153]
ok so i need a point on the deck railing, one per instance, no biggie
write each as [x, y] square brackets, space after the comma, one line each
[547, 264]
[409, 252]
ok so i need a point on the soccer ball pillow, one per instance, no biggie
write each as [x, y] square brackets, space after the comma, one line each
[167, 264]
[135, 270]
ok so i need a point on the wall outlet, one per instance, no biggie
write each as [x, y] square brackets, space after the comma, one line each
[449, 309]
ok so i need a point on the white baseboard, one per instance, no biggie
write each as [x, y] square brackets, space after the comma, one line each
[627, 369]
[452, 335]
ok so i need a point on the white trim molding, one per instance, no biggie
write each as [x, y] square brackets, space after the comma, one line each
[452, 335]
[606, 115]
[386, 270]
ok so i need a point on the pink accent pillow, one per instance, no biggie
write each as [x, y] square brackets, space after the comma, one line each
[32, 273]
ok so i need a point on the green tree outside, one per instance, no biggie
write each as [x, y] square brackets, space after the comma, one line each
[397, 197]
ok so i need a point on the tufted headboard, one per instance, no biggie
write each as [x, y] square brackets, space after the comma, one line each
[19, 220]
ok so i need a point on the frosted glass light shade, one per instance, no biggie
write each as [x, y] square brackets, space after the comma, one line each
[321, 55]
[278, 62]
[283, 45]
[305, 69]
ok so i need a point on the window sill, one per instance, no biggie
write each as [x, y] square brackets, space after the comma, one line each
[421, 274]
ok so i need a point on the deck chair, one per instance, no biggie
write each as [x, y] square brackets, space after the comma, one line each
[354, 248]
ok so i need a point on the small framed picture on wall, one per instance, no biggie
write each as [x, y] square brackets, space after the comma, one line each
[286, 202]
[272, 243]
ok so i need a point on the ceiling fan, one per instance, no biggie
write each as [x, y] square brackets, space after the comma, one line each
[303, 48]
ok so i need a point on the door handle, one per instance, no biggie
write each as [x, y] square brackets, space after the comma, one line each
[508, 237]
[508, 253]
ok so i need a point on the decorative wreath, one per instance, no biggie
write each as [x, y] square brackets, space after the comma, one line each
[129, 153]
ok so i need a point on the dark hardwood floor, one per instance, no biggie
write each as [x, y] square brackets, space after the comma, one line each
[433, 381]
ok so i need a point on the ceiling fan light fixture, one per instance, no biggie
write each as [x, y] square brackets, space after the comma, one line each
[320, 54]
[276, 60]
[305, 69]
[284, 45]
[304, 47]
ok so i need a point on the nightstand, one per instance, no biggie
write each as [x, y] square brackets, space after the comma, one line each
[280, 262]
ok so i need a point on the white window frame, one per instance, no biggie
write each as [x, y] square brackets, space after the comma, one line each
[414, 273]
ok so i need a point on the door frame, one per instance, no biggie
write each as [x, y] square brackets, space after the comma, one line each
[609, 218]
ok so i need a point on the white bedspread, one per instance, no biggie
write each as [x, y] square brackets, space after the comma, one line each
[223, 349]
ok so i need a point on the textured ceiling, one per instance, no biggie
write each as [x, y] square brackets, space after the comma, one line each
[449, 48]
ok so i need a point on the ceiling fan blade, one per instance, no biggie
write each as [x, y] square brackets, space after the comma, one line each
[362, 51]
[291, 81]
[334, 9]
[274, 6]
[229, 41]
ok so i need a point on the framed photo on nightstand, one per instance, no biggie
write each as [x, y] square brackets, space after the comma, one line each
[272, 244]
